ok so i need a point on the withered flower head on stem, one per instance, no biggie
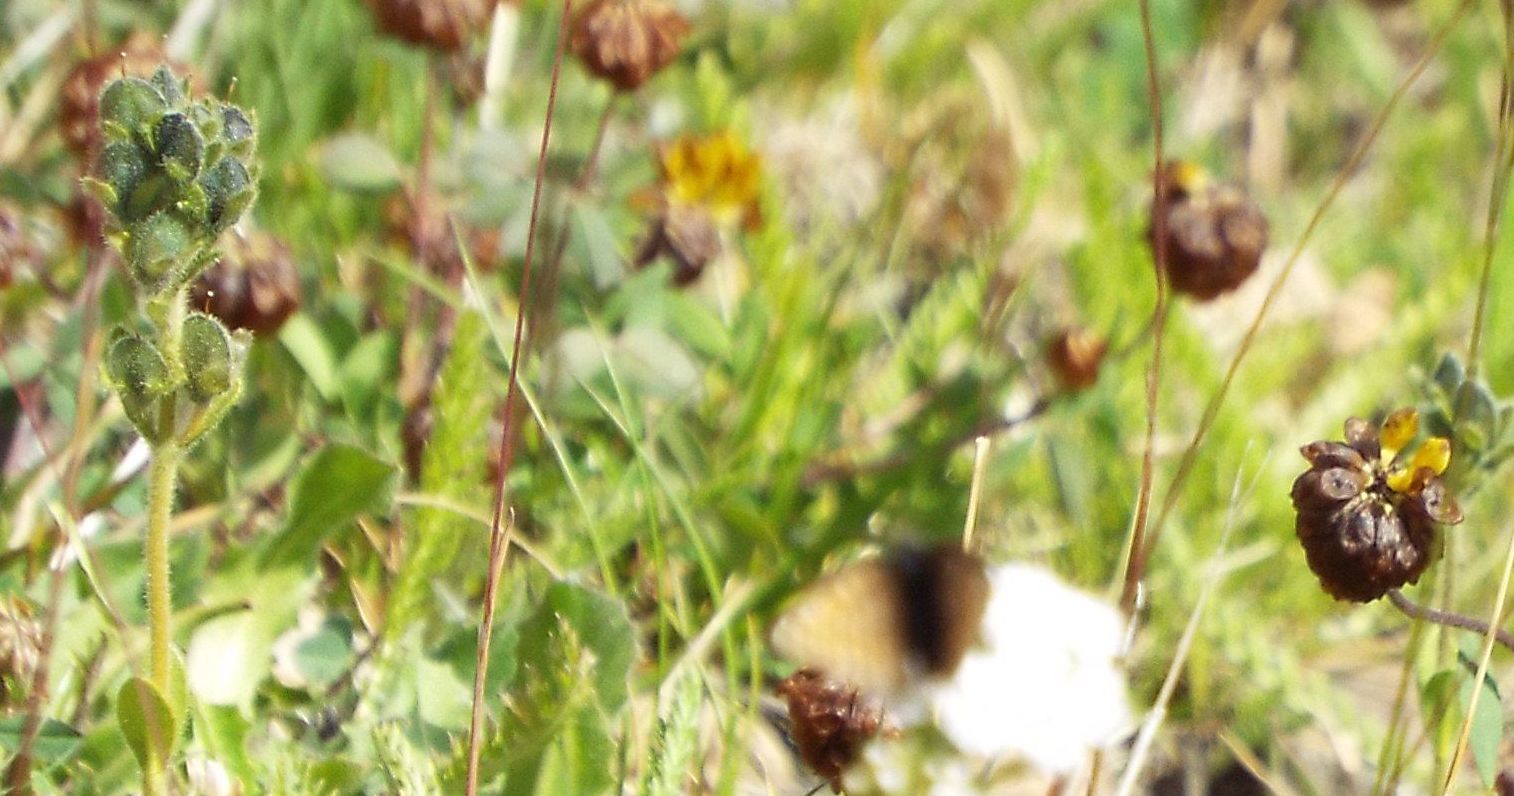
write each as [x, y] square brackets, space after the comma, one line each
[1368, 510]
[706, 184]
[1214, 232]
[255, 286]
[830, 721]
[79, 99]
[444, 25]
[625, 42]
[1074, 355]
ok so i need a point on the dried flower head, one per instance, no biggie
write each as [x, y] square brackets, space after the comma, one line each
[1367, 509]
[439, 24]
[1215, 233]
[625, 42]
[79, 100]
[1074, 355]
[254, 286]
[686, 235]
[717, 172]
[830, 721]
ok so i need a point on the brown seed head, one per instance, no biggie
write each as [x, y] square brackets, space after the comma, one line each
[686, 235]
[255, 286]
[1074, 355]
[627, 41]
[440, 24]
[1215, 233]
[79, 99]
[1368, 525]
[831, 722]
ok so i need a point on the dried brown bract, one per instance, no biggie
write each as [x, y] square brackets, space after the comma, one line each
[255, 286]
[625, 42]
[1075, 355]
[440, 24]
[1215, 233]
[685, 235]
[830, 720]
[79, 99]
[1366, 517]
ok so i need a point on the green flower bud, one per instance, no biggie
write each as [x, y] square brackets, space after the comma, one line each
[156, 245]
[140, 377]
[170, 86]
[122, 166]
[1476, 416]
[130, 103]
[207, 354]
[228, 192]
[235, 126]
[179, 145]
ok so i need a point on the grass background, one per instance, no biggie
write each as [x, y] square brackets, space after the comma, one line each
[668, 481]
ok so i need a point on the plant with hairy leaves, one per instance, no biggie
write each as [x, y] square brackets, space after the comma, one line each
[173, 174]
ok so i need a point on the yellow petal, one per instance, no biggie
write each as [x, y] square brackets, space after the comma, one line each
[1434, 455]
[1401, 480]
[1398, 430]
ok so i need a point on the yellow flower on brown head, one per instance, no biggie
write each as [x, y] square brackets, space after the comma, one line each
[717, 172]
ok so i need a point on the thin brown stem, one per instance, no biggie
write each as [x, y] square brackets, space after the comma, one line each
[507, 435]
[1135, 562]
[1447, 618]
[1212, 409]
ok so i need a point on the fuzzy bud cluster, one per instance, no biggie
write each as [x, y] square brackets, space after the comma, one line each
[173, 175]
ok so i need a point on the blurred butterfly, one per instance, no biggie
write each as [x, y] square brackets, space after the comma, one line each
[882, 623]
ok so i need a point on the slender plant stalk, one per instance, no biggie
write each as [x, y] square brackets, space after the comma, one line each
[980, 461]
[160, 493]
[1136, 557]
[1448, 618]
[500, 538]
[1212, 409]
[1503, 164]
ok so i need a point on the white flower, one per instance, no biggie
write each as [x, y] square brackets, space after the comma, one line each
[1046, 688]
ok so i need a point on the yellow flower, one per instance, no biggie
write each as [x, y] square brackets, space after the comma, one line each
[1433, 455]
[717, 172]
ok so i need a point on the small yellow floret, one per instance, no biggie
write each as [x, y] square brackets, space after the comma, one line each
[716, 171]
[1434, 454]
[1398, 430]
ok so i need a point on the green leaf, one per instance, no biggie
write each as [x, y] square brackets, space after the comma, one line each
[336, 485]
[325, 656]
[147, 722]
[1487, 727]
[596, 246]
[600, 625]
[697, 325]
[357, 162]
[54, 741]
[308, 346]
[368, 370]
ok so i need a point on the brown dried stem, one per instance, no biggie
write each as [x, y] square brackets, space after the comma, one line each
[1447, 618]
[499, 538]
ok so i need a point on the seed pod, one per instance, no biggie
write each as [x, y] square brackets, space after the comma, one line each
[228, 193]
[439, 24]
[1074, 355]
[830, 722]
[180, 146]
[1215, 234]
[130, 104]
[625, 42]
[1366, 519]
[207, 356]
[156, 245]
[236, 128]
[140, 377]
[122, 166]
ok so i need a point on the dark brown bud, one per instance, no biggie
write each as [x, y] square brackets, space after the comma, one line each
[1074, 355]
[1368, 525]
[830, 722]
[686, 236]
[440, 24]
[79, 100]
[627, 41]
[255, 286]
[1214, 237]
